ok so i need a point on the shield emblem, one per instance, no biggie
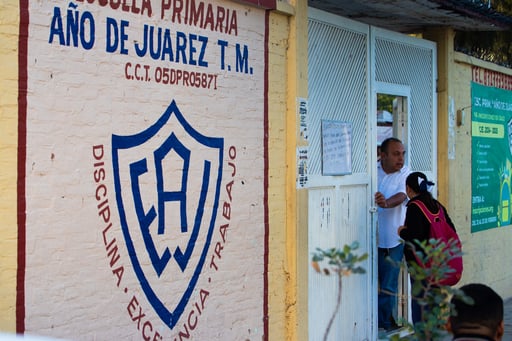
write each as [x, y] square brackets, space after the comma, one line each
[167, 180]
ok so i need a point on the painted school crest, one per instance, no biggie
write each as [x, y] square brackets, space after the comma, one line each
[167, 182]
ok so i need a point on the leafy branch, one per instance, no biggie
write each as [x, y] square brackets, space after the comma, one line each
[433, 298]
[342, 263]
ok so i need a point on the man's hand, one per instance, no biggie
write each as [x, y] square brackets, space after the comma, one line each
[380, 200]
[392, 201]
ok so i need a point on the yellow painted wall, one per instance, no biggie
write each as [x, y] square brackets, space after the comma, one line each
[486, 253]
[9, 27]
[278, 45]
[288, 258]
[297, 247]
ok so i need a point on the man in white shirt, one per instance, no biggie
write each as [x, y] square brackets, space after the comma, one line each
[391, 200]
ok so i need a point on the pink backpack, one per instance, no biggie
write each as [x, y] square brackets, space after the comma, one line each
[442, 231]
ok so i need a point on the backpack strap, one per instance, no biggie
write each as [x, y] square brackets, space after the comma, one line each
[430, 216]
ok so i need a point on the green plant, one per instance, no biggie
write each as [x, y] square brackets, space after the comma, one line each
[433, 298]
[343, 263]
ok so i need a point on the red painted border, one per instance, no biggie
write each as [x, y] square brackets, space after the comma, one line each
[267, 4]
[265, 179]
[22, 157]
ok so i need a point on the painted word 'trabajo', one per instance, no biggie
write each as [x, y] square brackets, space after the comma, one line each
[226, 213]
[101, 195]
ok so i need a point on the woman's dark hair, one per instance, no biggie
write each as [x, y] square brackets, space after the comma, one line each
[418, 182]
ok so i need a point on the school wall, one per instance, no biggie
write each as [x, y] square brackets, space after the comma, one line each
[279, 272]
[486, 252]
[230, 297]
[8, 156]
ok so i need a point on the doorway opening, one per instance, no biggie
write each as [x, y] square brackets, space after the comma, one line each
[392, 112]
[392, 121]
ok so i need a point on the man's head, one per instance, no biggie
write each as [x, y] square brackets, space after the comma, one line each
[483, 317]
[392, 154]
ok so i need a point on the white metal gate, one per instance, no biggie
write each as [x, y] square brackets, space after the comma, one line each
[349, 63]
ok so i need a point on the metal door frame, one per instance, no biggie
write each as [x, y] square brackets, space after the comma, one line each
[319, 182]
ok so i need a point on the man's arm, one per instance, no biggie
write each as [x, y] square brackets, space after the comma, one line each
[392, 201]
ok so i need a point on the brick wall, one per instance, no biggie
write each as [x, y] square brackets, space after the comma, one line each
[97, 103]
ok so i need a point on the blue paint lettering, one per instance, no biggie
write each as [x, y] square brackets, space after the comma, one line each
[56, 27]
[204, 41]
[223, 44]
[167, 48]
[77, 26]
[137, 169]
[242, 63]
[72, 27]
[155, 52]
[193, 50]
[181, 47]
[141, 52]
[116, 36]
[187, 49]
[87, 20]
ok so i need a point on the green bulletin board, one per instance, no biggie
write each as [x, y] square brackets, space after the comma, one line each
[491, 150]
